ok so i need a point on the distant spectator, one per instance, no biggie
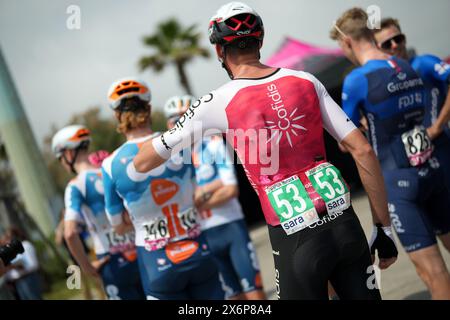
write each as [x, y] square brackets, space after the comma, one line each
[24, 269]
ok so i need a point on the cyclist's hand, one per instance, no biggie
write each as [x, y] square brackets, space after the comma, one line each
[383, 241]
[90, 270]
[98, 264]
[433, 132]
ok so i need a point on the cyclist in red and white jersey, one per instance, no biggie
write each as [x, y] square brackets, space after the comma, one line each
[274, 118]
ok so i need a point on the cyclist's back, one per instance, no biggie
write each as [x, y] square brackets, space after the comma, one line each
[85, 204]
[274, 119]
[174, 258]
[290, 108]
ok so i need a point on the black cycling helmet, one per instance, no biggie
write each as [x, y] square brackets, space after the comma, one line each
[234, 21]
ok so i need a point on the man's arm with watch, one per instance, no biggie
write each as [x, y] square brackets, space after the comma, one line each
[203, 193]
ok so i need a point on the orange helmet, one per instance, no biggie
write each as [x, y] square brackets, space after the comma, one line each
[127, 88]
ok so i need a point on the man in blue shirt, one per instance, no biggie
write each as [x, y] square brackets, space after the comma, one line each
[391, 96]
[435, 74]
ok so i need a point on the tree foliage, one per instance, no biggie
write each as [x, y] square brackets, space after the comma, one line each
[173, 45]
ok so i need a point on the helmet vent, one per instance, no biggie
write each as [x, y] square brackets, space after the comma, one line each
[126, 90]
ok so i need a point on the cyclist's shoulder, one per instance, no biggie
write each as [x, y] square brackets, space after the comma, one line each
[77, 185]
[355, 78]
[427, 63]
[424, 59]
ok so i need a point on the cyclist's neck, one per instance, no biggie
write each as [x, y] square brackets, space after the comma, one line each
[248, 67]
[83, 164]
[366, 51]
[138, 133]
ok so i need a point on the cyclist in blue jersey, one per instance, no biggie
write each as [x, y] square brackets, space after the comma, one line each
[434, 72]
[436, 76]
[222, 219]
[390, 95]
[174, 258]
[84, 201]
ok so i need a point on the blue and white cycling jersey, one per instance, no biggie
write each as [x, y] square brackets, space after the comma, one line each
[436, 76]
[212, 161]
[84, 202]
[159, 202]
[391, 96]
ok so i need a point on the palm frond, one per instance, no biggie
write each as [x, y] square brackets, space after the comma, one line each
[155, 62]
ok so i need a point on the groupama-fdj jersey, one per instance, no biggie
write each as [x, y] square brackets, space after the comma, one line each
[174, 258]
[391, 96]
[84, 202]
[224, 226]
[275, 124]
[435, 74]
[436, 77]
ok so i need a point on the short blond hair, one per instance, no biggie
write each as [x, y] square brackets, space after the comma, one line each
[353, 23]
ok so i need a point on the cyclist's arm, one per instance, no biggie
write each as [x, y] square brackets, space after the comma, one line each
[2, 268]
[196, 123]
[72, 218]
[351, 100]
[339, 126]
[115, 210]
[227, 177]
[203, 193]
[440, 71]
[72, 236]
[371, 176]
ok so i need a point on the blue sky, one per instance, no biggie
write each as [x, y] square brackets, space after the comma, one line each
[59, 71]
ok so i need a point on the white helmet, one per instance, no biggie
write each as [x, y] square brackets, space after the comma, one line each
[69, 138]
[177, 105]
[234, 21]
[126, 88]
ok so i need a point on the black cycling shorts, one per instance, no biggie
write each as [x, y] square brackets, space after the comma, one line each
[334, 249]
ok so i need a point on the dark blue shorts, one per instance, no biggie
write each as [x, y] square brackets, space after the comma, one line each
[442, 154]
[419, 205]
[235, 257]
[184, 270]
[121, 279]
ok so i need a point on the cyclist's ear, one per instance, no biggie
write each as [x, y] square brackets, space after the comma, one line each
[219, 52]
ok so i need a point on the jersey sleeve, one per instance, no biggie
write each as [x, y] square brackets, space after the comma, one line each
[353, 96]
[334, 119]
[204, 118]
[436, 68]
[73, 201]
[113, 202]
[224, 163]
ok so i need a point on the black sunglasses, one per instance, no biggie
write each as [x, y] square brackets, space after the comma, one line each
[398, 39]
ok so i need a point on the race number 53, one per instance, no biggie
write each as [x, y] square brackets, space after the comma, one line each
[289, 198]
[329, 184]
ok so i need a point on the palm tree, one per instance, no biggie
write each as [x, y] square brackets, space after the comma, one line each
[173, 45]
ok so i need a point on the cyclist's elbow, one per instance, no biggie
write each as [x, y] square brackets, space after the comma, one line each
[364, 151]
[70, 234]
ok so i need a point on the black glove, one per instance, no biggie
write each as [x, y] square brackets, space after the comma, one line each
[383, 241]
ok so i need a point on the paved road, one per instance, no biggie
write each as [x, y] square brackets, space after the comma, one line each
[400, 281]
